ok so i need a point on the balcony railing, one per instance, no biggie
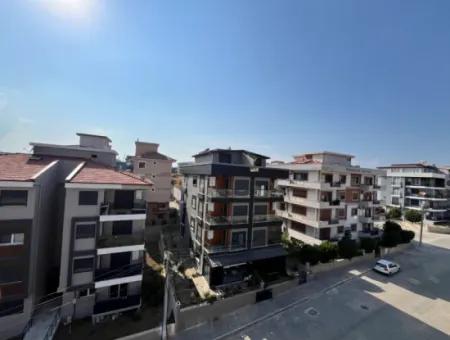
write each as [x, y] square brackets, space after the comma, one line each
[228, 193]
[223, 220]
[114, 273]
[109, 208]
[335, 202]
[105, 241]
[266, 218]
[106, 306]
[335, 184]
[333, 221]
[268, 193]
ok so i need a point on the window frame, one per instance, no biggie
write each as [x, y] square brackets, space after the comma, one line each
[86, 223]
[87, 202]
[14, 203]
[83, 270]
[265, 238]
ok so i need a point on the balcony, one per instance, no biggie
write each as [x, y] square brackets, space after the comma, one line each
[365, 219]
[268, 194]
[107, 241]
[333, 221]
[112, 305]
[266, 218]
[335, 203]
[131, 269]
[227, 193]
[226, 220]
[110, 208]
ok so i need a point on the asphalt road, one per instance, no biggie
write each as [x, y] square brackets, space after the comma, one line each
[413, 304]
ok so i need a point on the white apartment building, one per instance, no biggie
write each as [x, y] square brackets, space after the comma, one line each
[416, 186]
[156, 167]
[326, 196]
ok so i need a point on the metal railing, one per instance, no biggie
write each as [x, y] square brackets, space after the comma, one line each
[266, 218]
[220, 220]
[228, 193]
[104, 241]
[109, 208]
[268, 193]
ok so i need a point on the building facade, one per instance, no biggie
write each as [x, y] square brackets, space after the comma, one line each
[326, 197]
[418, 186]
[229, 211]
[151, 164]
[26, 251]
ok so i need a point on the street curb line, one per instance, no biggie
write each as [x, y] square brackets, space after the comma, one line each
[289, 306]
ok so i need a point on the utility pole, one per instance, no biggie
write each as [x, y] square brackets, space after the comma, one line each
[166, 296]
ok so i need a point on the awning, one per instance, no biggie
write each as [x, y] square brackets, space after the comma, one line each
[222, 260]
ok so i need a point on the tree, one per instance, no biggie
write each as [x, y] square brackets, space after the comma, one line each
[368, 244]
[391, 234]
[309, 254]
[394, 213]
[413, 216]
[347, 248]
[407, 236]
[328, 251]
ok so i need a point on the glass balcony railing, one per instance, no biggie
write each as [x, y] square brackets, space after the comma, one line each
[131, 269]
[266, 218]
[111, 208]
[268, 193]
[228, 193]
[106, 306]
[105, 241]
[223, 220]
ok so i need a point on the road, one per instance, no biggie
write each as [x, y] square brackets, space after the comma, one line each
[414, 304]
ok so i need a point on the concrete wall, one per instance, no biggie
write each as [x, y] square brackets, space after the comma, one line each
[159, 172]
[102, 157]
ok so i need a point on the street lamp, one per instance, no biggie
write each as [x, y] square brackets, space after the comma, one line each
[423, 206]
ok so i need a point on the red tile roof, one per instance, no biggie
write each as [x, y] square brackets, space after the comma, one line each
[92, 173]
[20, 167]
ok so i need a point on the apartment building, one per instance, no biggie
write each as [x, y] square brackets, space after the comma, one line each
[155, 166]
[229, 210]
[416, 186]
[26, 247]
[326, 197]
[101, 219]
[103, 241]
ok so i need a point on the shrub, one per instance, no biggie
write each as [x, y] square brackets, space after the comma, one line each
[394, 213]
[368, 244]
[413, 216]
[391, 234]
[328, 251]
[309, 254]
[391, 226]
[347, 248]
[407, 236]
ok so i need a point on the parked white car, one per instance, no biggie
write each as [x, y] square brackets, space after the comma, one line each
[386, 267]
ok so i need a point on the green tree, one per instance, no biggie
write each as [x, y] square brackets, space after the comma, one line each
[413, 216]
[407, 236]
[391, 234]
[328, 251]
[368, 244]
[347, 248]
[394, 213]
[309, 253]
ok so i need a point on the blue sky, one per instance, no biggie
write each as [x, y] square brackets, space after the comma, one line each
[371, 78]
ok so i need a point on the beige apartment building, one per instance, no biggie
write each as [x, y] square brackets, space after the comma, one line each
[156, 167]
[326, 197]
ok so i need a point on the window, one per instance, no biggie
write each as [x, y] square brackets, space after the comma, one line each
[259, 237]
[302, 193]
[194, 181]
[85, 230]
[340, 229]
[241, 186]
[194, 202]
[118, 291]
[298, 209]
[343, 179]
[340, 213]
[88, 198]
[301, 176]
[141, 165]
[395, 201]
[238, 239]
[341, 195]
[260, 209]
[354, 227]
[13, 197]
[328, 178]
[300, 227]
[355, 196]
[240, 210]
[93, 156]
[85, 292]
[81, 265]
[12, 239]
[354, 212]
[355, 180]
